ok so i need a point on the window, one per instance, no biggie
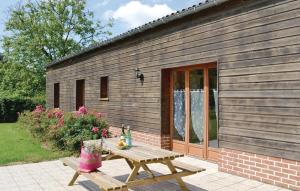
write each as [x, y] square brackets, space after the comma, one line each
[79, 93]
[56, 95]
[104, 88]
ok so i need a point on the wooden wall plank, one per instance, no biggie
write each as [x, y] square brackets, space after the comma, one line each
[256, 45]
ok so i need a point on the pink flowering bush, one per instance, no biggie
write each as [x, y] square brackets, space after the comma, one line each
[65, 130]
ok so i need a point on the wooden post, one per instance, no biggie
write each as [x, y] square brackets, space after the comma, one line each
[75, 176]
[178, 179]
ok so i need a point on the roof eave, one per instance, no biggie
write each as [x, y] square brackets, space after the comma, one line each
[164, 20]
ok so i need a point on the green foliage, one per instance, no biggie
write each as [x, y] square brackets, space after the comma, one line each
[39, 32]
[17, 80]
[11, 106]
[65, 130]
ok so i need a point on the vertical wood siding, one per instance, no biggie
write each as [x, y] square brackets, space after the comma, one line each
[257, 46]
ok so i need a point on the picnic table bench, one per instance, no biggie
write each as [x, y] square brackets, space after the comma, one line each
[137, 157]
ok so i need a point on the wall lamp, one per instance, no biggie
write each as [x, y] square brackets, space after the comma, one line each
[139, 75]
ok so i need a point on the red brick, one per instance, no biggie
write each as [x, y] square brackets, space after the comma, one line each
[282, 165]
[255, 160]
[294, 188]
[275, 159]
[243, 157]
[294, 167]
[249, 163]
[256, 178]
[261, 175]
[268, 162]
[283, 175]
[275, 178]
[289, 161]
[272, 170]
[284, 185]
[296, 178]
[277, 169]
[288, 181]
[266, 171]
[262, 157]
[232, 163]
[268, 181]
[237, 169]
[261, 165]
[233, 155]
[238, 160]
[255, 169]
[250, 172]
[243, 166]
[288, 171]
[245, 175]
[228, 167]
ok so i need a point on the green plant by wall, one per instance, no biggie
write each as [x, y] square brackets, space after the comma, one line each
[10, 107]
[65, 130]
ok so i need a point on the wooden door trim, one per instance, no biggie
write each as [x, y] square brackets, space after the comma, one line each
[187, 109]
[197, 66]
[171, 108]
[206, 110]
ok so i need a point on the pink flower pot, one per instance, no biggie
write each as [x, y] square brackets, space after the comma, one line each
[89, 161]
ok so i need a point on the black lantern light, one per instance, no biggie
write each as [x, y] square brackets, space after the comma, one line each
[139, 75]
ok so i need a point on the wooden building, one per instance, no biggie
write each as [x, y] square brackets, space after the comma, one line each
[219, 81]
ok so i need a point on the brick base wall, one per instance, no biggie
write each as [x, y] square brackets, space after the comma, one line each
[148, 138]
[271, 170]
[166, 142]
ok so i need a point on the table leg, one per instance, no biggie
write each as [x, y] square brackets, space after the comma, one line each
[135, 170]
[129, 163]
[178, 179]
[146, 168]
[75, 176]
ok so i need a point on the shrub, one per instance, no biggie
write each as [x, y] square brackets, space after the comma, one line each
[65, 130]
[11, 106]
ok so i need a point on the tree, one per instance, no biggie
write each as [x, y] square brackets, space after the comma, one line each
[17, 80]
[39, 32]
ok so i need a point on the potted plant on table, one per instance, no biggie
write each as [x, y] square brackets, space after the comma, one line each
[90, 156]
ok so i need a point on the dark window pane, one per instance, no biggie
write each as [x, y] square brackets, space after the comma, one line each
[104, 87]
[213, 109]
[56, 95]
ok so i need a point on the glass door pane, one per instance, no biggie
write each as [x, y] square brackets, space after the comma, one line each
[196, 86]
[213, 109]
[179, 113]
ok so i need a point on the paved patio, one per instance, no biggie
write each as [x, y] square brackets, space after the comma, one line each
[52, 175]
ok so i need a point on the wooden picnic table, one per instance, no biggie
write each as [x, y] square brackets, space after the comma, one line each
[139, 156]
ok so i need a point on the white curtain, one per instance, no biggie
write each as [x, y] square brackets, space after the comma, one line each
[179, 112]
[197, 97]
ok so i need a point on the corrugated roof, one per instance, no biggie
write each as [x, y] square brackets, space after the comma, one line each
[161, 21]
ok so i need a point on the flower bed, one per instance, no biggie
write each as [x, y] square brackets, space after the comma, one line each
[65, 130]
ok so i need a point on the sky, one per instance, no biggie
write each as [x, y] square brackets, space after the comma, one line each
[127, 14]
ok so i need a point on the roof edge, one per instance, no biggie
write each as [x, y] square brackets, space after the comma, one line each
[153, 24]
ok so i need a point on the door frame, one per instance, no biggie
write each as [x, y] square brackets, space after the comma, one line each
[201, 151]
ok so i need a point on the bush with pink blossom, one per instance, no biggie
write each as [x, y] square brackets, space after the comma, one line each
[65, 130]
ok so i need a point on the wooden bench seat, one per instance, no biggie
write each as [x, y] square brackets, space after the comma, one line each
[104, 181]
[187, 167]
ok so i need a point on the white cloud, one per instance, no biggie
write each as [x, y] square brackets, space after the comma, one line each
[102, 3]
[135, 13]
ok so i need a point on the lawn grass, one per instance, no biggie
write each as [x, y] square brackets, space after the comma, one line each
[17, 145]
